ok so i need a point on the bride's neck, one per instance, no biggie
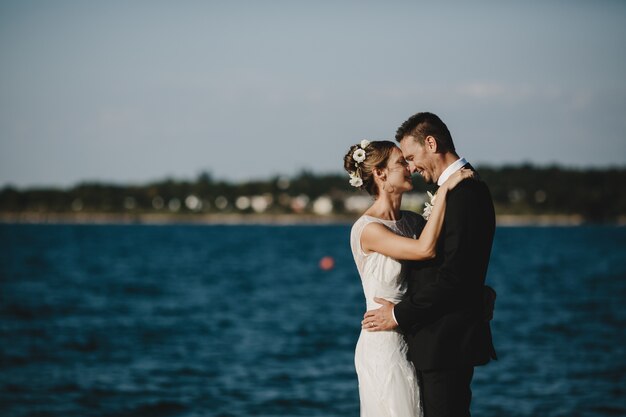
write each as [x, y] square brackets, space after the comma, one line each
[386, 207]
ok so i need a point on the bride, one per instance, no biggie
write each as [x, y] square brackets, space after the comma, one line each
[381, 238]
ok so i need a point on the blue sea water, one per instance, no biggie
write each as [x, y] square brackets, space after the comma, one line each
[241, 321]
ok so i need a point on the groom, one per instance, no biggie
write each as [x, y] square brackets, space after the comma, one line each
[443, 314]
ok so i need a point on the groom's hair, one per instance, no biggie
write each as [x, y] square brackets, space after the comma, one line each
[422, 125]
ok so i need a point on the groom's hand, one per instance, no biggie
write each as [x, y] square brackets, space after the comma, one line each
[380, 319]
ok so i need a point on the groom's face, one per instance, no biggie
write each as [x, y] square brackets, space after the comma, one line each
[420, 160]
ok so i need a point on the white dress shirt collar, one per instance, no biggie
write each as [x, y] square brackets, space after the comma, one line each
[452, 168]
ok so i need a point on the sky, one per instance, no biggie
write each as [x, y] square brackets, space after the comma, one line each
[134, 92]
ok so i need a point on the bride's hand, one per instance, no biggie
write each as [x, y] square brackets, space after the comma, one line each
[457, 177]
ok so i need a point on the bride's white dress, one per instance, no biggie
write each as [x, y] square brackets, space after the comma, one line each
[387, 380]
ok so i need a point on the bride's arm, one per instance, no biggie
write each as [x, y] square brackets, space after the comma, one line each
[377, 238]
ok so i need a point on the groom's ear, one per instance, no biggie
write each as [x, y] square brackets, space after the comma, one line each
[430, 143]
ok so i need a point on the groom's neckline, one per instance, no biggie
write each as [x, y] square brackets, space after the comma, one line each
[452, 168]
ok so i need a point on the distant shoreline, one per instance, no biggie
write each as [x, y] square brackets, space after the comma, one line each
[505, 220]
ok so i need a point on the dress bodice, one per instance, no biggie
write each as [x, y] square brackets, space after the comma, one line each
[381, 275]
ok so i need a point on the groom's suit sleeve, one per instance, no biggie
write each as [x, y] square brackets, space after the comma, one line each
[452, 288]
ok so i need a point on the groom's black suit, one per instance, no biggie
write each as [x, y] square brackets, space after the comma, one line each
[443, 314]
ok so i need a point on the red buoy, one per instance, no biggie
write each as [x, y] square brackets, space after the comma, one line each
[327, 263]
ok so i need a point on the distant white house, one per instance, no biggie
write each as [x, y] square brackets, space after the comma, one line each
[322, 205]
[357, 203]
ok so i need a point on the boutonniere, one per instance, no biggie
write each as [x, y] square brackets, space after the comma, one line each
[428, 206]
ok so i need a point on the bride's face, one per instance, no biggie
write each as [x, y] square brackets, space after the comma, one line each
[398, 174]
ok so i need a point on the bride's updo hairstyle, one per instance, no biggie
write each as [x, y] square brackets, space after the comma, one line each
[361, 170]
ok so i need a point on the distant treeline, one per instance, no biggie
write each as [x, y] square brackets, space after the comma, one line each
[596, 194]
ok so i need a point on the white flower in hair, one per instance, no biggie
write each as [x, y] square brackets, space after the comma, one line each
[359, 155]
[355, 180]
[365, 143]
